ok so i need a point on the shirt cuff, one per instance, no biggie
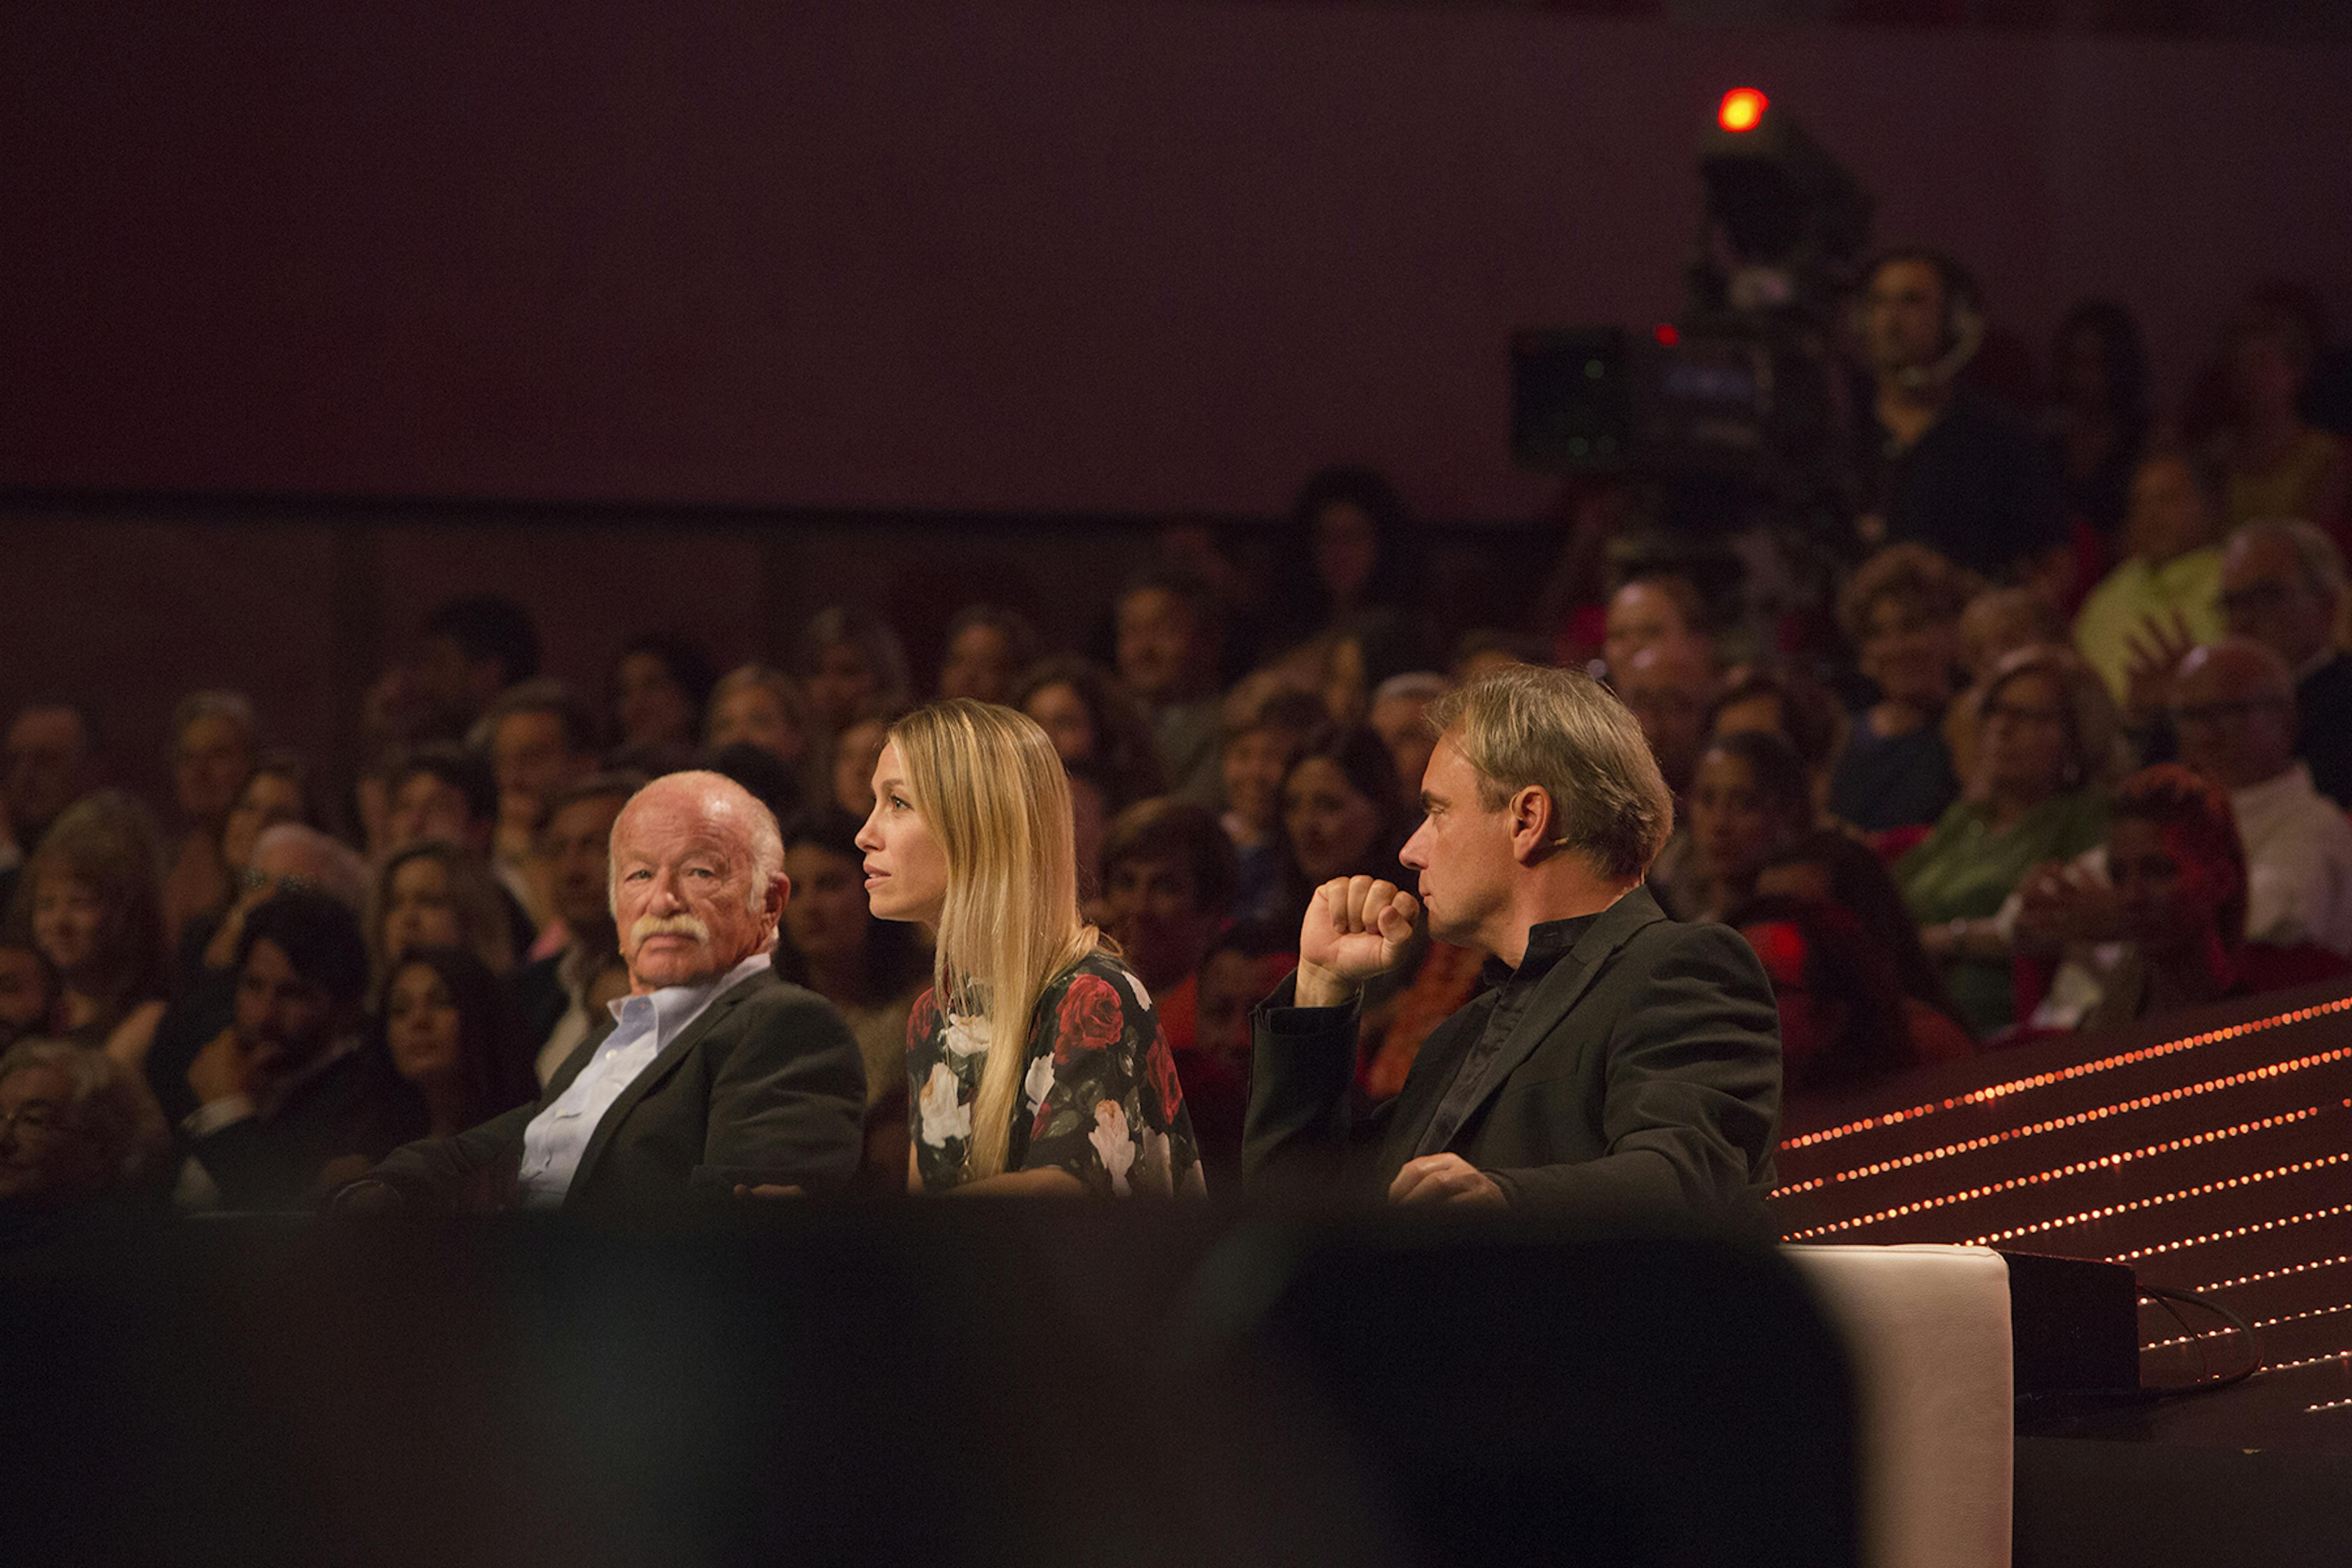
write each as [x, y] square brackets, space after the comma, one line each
[215, 1114]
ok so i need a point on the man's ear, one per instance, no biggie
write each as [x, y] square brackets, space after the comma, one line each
[779, 893]
[1534, 825]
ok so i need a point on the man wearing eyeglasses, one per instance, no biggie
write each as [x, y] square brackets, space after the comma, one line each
[2282, 586]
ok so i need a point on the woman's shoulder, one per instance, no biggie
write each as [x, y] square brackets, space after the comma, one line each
[1101, 970]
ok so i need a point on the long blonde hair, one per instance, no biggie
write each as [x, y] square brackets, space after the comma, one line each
[988, 784]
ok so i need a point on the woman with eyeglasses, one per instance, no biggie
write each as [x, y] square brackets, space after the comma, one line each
[1034, 1063]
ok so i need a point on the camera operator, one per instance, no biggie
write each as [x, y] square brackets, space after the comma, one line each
[1945, 465]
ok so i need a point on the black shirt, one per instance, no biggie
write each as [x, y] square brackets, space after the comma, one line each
[1511, 990]
[1977, 488]
[2323, 701]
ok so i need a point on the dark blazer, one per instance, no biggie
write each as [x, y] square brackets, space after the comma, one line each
[1644, 1073]
[356, 1106]
[765, 1086]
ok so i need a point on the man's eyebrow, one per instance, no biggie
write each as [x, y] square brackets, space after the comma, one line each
[1429, 799]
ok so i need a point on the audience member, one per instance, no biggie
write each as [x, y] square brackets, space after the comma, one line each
[561, 998]
[92, 897]
[712, 1076]
[1832, 867]
[1168, 635]
[1653, 608]
[1262, 740]
[276, 790]
[1669, 687]
[2165, 595]
[754, 705]
[435, 894]
[1996, 624]
[2180, 876]
[1483, 650]
[2276, 465]
[448, 793]
[771, 783]
[1343, 814]
[869, 969]
[988, 647]
[1350, 545]
[2099, 418]
[451, 1038]
[285, 1089]
[1086, 713]
[214, 741]
[1795, 707]
[28, 987]
[1901, 611]
[854, 750]
[2283, 584]
[540, 738]
[474, 648]
[76, 1127]
[1397, 716]
[48, 768]
[660, 687]
[1956, 472]
[1035, 1059]
[2048, 748]
[1751, 798]
[850, 664]
[1844, 1021]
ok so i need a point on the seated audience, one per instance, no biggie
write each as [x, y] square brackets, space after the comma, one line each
[850, 664]
[214, 739]
[2180, 876]
[2283, 584]
[1343, 814]
[49, 767]
[276, 790]
[2099, 420]
[854, 750]
[1350, 545]
[561, 997]
[1902, 611]
[1086, 713]
[1830, 866]
[540, 739]
[713, 1077]
[1844, 1021]
[1669, 687]
[285, 1090]
[1168, 637]
[28, 987]
[1792, 706]
[2049, 745]
[450, 1036]
[1751, 798]
[2276, 465]
[91, 896]
[448, 793]
[473, 648]
[1652, 608]
[988, 647]
[869, 969]
[76, 1127]
[433, 894]
[1397, 715]
[1263, 733]
[2164, 594]
[1483, 650]
[660, 687]
[1997, 623]
[754, 705]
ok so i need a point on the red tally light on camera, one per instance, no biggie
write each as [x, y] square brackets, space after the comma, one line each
[1743, 109]
[1667, 334]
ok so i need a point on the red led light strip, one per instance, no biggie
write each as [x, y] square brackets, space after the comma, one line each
[2185, 1092]
[2235, 1232]
[2275, 1273]
[2259, 1323]
[2163, 1198]
[2330, 1404]
[2308, 1360]
[2102, 1163]
[2082, 1070]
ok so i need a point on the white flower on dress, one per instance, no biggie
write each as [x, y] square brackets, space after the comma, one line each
[1040, 1082]
[943, 1117]
[1151, 1166]
[966, 1036]
[1111, 1141]
[1142, 997]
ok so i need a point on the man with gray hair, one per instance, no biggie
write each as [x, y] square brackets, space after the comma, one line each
[2283, 584]
[712, 1074]
[1617, 1059]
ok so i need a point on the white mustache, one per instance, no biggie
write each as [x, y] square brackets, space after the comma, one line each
[668, 925]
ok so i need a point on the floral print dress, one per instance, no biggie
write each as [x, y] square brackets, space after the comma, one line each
[1099, 1093]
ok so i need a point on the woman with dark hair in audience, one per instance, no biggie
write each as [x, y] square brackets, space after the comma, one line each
[2098, 419]
[1749, 797]
[850, 664]
[869, 969]
[1843, 1019]
[661, 688]
[756, 706]
[1086, 713]
[1343, 814]
[2048, 747]
[1035, 1061]
[1350, 545]
[1788, 704]
[987, 649]
[213, 739]
[91, 896]
[451, 1036]
[435, 894]
[1264, 731]
[1902, 611]
[1833, 867]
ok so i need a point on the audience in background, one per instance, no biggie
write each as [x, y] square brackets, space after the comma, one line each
[660, 687]
[2180, 876]
[450, 1036]
[1089, 716]
[1343, 814]
[473, 648]
[2163, 598]
[1996, 624]
[1350, 545]
[435, 894]
[756, 706]
[1830, 867]
[48, 768]
[1658, 608]
[1262, 735]
[2099, 415]
[1795, 707]
[91, 899]
[854, 750]
[850, 664]
[560, 997]
[2282, 586]
[1751, 798]
[76, 1126]
[988, 647]
[1395, 715]
[28, 987]
[1168, 637]
[539, 738]
[215, 738]
[1901, 611]
[2276, 464]
[1843, 1019]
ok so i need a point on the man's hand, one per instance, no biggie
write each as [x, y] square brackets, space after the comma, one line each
[2156, 652]
[1356, 928]
[2060, 904]
[1443, 1179]
[222, 1069]
[766, 1190]
[368, 1196]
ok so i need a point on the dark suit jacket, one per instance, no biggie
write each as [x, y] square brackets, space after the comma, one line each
[1644, 1073]
[354, 1106]
[765, 1086]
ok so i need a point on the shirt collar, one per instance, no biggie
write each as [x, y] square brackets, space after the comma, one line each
[672, 1003]
[1548, 942]
[2293, 783]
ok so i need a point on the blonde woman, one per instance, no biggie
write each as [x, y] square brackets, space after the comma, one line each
[1034, 1063]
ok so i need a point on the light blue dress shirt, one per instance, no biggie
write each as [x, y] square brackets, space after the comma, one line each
[643, 1025]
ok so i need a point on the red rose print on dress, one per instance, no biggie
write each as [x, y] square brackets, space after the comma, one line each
[1162, 1067]
[1090, 1019]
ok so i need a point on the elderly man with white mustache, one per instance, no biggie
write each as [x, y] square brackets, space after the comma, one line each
[714, 1075]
